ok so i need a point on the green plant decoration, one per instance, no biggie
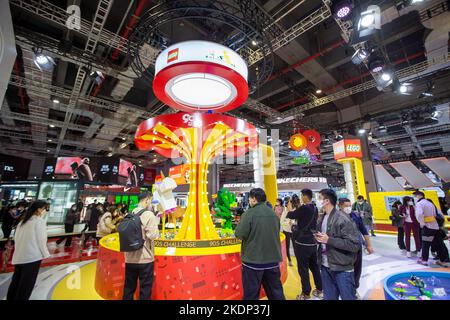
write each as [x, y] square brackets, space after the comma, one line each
[224, 203]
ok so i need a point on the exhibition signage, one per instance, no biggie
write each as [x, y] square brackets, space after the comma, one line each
[200, 75]
[111, 170]
[347, 148]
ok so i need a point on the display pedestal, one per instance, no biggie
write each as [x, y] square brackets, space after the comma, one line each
[184, 270]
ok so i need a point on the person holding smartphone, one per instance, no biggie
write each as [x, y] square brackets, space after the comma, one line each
[305, 246]
[339, 245]
[345, 205]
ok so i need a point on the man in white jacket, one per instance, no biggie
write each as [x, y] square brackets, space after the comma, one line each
[139, 264]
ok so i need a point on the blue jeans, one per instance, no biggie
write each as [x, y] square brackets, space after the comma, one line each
[338, 284]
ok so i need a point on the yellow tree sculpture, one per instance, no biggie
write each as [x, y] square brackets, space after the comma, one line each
[199, 138]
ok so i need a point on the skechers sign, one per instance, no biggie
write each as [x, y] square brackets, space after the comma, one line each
[347, 148]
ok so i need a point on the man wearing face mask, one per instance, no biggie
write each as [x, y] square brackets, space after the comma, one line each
[259, 230]
[305, 246]
[363, 208]
[426, 215]
[139, 264]
[340, 243]
[345, 206]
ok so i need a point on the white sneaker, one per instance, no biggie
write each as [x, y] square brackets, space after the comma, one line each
[403, 252]
[408, 254]
[419, 253]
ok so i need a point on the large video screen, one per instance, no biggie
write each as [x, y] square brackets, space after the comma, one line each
[67, 165]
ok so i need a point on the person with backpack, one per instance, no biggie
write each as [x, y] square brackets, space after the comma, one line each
[136, 233]
[398, 221]
[426, 215]
[438, 244]
[365, 212]
[305, 245]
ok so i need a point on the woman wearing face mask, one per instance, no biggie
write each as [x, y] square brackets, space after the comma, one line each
[71, 218]
[30, 249]
[411, 224]
[398, 221]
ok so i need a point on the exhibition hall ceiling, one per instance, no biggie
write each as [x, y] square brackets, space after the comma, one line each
[308, 79]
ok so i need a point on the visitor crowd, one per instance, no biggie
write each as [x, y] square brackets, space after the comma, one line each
[425, 221]
[328, 238]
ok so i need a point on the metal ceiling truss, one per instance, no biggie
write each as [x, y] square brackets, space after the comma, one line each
[91, 44]
[217, 11]
[59, 16]
[408, 72]
[290, 34]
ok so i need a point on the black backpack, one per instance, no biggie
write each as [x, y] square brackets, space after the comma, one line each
[130, 232]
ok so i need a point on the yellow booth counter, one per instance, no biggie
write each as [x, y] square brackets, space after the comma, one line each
[381, 203]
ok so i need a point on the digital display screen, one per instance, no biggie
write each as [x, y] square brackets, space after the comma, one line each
[67, 165]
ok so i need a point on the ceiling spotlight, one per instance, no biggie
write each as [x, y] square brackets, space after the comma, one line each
[55, 100]
[109, 154]
[368, 24]
[49, 140]
[48, 150]
[376, 64]
[386, 76]
[371, 18]
[429, 91]
[403, 88]
[362, 131]
[359, 56]
[52, 126]
[318, 91]
[367, 20]
[341, 9]
[123, 145]
[436, 115]
[97, 76]
[254, 42]
[42, 61]
[416, 1]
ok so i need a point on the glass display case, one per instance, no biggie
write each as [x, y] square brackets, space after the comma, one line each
[62, 195]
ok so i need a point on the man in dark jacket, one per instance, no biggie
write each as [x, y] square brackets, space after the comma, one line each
[339, 240]
[259, 230]
[345, 206]
[305, 246]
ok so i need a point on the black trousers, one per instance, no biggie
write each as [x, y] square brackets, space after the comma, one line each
[6, 233]
[143, 272]
[438, 246]
[270, 279]
[68, 228]
[307, 260]
[23, 281]
[401, 238]
[428, 236]
[288, 244]
[358, 267]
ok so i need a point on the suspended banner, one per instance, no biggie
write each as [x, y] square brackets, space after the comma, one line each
[440, 166]
[413, 175]
[385, 180]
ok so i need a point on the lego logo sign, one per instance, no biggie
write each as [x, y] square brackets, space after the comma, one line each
[172, 55]
[347, 148]
[353, 148]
